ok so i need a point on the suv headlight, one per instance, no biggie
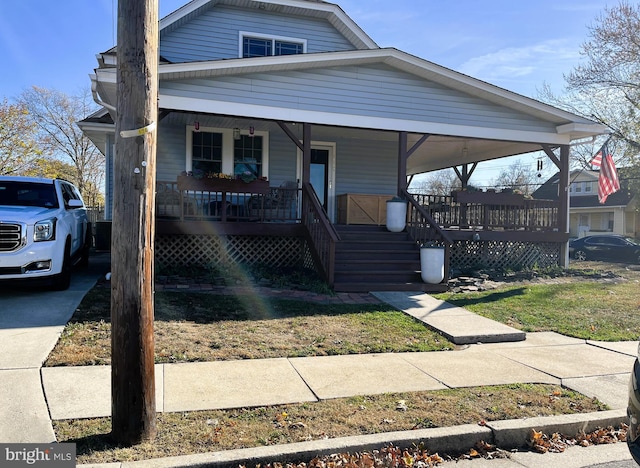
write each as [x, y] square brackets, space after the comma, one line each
[45, 230]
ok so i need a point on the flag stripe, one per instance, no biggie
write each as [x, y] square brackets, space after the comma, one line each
[608, 182]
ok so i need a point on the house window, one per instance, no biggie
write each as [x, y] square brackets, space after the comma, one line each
[206, 152]
[255, 45]
[247, 155]
[587, 187]
[213, 149]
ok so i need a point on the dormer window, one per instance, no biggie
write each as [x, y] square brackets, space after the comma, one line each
[257, 45]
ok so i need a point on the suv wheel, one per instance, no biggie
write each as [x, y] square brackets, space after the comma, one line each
[62, 280]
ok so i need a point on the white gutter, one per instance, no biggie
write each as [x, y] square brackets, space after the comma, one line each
[96, 96]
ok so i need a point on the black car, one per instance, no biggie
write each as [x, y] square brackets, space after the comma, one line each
[633, 411]
[606, 247]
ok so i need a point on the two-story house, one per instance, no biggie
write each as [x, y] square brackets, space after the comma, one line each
[294, 94]
[618, 215]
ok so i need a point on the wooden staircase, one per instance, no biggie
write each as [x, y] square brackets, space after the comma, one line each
[370, 258]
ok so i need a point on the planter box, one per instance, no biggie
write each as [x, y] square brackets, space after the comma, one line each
[222, 185]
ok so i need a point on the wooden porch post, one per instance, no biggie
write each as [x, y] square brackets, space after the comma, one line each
[306, 152]
[402, 162]
[563, 197]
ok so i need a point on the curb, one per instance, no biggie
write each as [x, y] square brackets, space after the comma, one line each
[507, 435]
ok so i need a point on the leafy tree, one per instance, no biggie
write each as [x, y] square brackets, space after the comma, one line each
[17, 139]
[55, 115]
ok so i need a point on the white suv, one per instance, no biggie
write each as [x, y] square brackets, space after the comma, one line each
[43, 229]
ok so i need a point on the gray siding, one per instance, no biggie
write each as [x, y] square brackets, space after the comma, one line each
[366, 166]
[214, 34]
[171, 153]
[374, 91]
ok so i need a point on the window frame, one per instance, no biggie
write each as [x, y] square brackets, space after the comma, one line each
[273, 38]
[228, 147]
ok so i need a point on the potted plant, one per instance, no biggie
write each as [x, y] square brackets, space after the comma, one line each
[396, 214]
[431, 263]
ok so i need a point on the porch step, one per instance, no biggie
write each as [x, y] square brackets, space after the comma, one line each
[370, 258]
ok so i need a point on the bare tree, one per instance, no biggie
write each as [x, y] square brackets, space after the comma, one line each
[606, 86]
[437, 183]
[55, 115]
[18, 147]
[518, 176]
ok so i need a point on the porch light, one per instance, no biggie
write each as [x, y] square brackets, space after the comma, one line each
[251, 131]
[236, 133]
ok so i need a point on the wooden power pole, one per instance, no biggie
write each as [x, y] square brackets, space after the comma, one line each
[133, 406]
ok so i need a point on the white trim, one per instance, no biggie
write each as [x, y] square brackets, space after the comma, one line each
[331, 176]
[333, 13]
[272, 38]
[227, 147]
[357, 121]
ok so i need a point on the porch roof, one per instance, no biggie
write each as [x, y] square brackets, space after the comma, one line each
[453, 142]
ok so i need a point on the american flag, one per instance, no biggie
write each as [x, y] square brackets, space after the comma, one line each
[608, 182]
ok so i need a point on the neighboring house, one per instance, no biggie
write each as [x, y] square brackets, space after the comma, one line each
[295, 92]
[618, 215]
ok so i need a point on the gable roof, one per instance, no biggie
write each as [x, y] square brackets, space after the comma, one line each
[310, 8]
[484, 138]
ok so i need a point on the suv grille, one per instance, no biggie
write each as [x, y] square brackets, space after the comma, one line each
[10, 237]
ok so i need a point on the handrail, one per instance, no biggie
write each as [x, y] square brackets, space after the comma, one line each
[321, 233]
[421, 226]
[423, 229]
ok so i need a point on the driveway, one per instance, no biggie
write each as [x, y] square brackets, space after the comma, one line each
[31, 320]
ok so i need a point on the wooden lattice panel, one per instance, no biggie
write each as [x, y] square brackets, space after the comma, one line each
[504, 255]
[180, 250]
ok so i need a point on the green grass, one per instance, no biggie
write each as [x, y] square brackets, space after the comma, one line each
[588, 310]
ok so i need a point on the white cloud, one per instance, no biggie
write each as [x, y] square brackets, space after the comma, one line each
[536, 63]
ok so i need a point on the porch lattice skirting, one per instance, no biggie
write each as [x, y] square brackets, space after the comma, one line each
[503, 255]
[203, 250]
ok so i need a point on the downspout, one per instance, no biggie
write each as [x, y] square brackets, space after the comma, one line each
[96, 96]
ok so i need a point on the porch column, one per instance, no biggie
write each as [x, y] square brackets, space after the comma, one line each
[306, 152]
[563, 197]
[402, 162]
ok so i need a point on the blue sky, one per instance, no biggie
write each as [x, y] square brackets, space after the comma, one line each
[517, 45]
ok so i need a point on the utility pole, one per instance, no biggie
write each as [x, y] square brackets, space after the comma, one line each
[133, 407]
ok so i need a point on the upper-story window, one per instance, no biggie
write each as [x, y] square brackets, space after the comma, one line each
[581, 188]
[257, 45]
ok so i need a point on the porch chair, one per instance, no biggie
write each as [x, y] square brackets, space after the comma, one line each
[168, 202]
[279, 205]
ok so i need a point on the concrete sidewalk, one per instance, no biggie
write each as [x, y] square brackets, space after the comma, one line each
[598, 370]
[34, 396]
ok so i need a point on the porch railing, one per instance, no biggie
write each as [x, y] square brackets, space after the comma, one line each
[322, 234]
[490, 211]
[257, 204]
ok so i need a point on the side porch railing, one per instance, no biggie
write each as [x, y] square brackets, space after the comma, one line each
[487, 211]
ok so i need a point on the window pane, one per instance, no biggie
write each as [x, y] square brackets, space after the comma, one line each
[254, 47]
[288, 48]
[206, 155]
[247, 155]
